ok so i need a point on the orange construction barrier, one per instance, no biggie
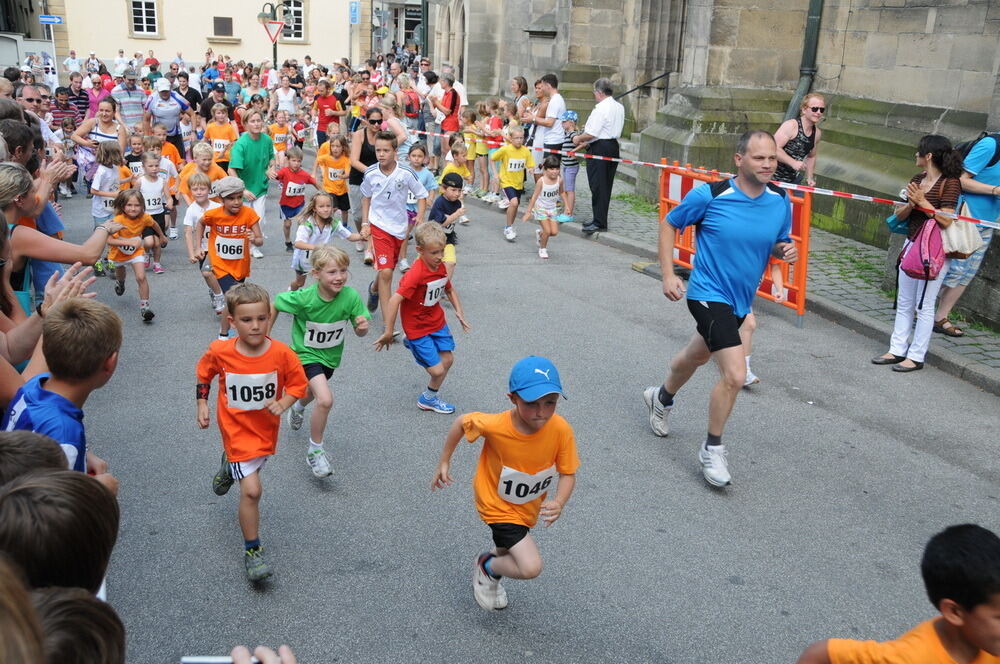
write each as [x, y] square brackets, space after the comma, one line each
[676, 181]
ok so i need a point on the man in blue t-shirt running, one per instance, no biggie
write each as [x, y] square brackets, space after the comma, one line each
[739, 224]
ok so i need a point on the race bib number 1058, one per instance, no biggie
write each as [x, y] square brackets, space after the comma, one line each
[251, 391]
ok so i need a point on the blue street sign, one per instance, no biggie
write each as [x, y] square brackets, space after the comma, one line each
[354, 12]
[47, 19]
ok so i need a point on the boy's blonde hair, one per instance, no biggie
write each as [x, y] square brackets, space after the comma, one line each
[150, 143]
[78, 336]
[199, 179]
[202, 149]
[246, 294]
[219, 107]
[325, 254]
[429, 233]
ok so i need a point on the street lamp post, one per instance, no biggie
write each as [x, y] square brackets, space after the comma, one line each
[269, 12]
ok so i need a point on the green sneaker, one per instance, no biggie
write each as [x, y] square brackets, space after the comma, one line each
[99, 268]
[223, 480]
[257, 567]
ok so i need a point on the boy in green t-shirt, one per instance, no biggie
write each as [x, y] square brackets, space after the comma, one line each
[322, 313]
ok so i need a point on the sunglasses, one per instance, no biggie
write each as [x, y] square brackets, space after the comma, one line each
[818, 109]
[31, 100]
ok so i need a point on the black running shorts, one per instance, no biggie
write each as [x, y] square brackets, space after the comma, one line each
[717, 324]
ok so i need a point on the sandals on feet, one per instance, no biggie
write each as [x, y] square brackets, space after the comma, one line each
[945, 326]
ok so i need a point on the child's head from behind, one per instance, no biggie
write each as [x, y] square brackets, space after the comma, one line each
[535, 388]
[330, 268]
[22, 452]
[961, 571]
[46, 515]
[249, 307]
[81, 339]
[78, 628]
[130, 203]
[109, 154]
[430, 239]
[20, 631]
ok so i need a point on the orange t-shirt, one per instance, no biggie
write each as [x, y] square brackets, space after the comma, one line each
[170, 152]
[125, 174]
[133, 229]
[335, 172]
[281, 136]
[215, 172]
[221, 138]
[229, 241]
[246, 385]
[921, 645]
[516, 470]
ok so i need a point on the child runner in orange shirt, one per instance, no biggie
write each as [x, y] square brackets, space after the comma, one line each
[526, 449]
[202, 153]
[128, 246]
[259, 379]
[221, 135]
[335, 167]
[282, 135]
[230, 230]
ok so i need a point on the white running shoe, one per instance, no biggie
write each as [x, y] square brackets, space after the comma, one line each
[256, 253]
[218, 302]
[295, 418]
[404, 265]
[172, 234]
[359, 246]
[714, 466]
[463, 220]
[538, 237]
[509, 233]
[751, 379]
[658, 413]
[319, 463]
[543, 252]
[503, 204]
[484, 586]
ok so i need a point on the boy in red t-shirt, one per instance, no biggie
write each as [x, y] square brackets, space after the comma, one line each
[230, 229]
[259, 379]
[418, 298]
[293, 188]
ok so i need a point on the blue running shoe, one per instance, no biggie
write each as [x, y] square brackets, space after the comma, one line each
[563, 218]
[372, 298]
[435, 404]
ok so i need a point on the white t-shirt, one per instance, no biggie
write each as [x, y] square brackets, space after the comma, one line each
[388, 194]
[311, 232]
[105, 179]
[72, 64]
[153, 193]
[196, 212]
[557, 106]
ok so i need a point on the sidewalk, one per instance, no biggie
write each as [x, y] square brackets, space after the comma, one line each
[844, 286]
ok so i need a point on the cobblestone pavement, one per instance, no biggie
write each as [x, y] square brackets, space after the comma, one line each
[842, 270]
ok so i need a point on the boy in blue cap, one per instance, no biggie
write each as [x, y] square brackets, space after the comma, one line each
[525, 449]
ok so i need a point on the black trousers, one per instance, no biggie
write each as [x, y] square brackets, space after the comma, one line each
[601, 177]
[178, 142]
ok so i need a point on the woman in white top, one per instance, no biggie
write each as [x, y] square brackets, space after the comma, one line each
[283, 98]
[101, 127]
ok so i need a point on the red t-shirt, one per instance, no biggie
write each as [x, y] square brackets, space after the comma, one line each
[322, 119]
[422, 290]
[450, 101]
[495, 142]
[293, 186]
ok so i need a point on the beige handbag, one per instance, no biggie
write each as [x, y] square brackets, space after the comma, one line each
[961, 238]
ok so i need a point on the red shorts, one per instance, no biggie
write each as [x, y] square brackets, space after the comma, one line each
[386, 249]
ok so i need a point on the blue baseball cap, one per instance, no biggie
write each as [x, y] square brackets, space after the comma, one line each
[533, 377]
[570, 115]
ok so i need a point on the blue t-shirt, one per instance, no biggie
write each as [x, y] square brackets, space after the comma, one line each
[36, 409]
[983, 206]
[734, 237]
[444, 208]
[427, 179]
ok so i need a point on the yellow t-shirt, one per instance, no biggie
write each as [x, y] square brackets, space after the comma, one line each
[455, 167]
[221, 138]
[513, 165]
[516, 470]
[335, 172]
[921, 645]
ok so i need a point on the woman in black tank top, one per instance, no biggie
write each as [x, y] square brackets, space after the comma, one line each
[797, 142]
[362, 156]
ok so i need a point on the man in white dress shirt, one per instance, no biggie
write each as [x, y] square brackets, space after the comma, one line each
[601, 133]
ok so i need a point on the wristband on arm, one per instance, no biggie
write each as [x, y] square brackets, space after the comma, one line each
[201, 390]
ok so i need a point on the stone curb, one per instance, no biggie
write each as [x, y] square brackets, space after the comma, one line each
[985, 378]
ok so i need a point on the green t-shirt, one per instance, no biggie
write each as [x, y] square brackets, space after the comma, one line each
[251, 159]
[319, 327]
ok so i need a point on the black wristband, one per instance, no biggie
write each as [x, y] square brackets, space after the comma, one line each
[38, 310]
[201, 390]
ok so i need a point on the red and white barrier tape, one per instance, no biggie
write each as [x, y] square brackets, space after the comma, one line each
[784, 185]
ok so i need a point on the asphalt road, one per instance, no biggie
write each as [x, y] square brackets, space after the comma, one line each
[842, 470]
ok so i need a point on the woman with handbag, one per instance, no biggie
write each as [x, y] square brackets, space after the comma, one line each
[937, 187]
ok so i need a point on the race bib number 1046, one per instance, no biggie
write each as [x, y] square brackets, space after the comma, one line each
[520, 488]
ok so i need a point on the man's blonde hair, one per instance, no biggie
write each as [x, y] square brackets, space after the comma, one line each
[78, 336]
[429, 233]
[325, 254]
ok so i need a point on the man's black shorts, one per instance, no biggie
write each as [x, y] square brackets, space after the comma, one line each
[717, 324]
[506, 535]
